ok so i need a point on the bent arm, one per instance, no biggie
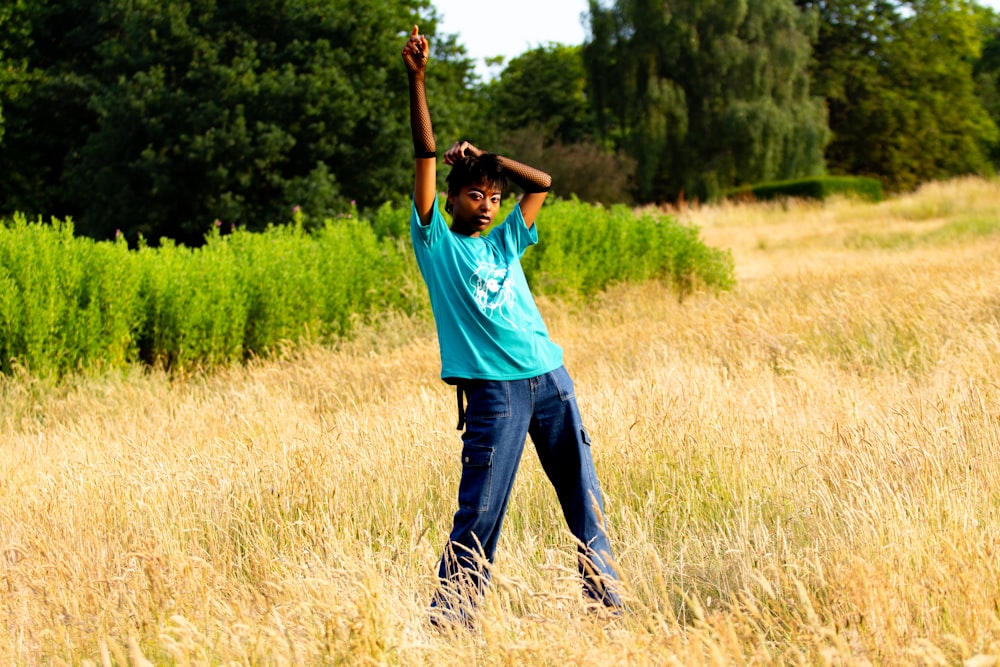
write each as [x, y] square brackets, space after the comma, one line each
[535, 182]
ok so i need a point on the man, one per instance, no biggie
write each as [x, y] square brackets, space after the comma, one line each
[496, 350]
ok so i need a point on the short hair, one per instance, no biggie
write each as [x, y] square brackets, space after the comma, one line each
[472, 170]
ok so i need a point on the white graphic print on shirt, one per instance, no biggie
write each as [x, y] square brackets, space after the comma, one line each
[493, 292]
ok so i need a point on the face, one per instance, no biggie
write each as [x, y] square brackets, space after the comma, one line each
[473, 209]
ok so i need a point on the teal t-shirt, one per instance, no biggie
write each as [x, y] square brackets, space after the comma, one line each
[488, 325]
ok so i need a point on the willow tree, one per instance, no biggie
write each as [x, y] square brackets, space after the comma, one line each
[706, 94]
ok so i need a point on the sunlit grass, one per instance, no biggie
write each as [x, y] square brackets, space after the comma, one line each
[804, 470]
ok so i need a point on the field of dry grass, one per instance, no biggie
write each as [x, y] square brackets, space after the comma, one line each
[803, 471]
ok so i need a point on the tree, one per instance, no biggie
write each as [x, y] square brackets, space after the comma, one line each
[12, 73]
[45, 45]
[986, 72]
[584, 169]
[706, 95]
[158, 117]
[899, 85]
[538, 110]
[544, 87]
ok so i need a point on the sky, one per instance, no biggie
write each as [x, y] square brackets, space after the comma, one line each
[510, 27]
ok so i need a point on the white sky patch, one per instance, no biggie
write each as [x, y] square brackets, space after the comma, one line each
[508, 28]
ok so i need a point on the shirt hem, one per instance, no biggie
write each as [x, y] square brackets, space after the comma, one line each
[455, 379]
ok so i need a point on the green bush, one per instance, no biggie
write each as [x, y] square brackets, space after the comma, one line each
[247, 294]
[65, 302]
[823, 187]
[197, 305]
[280, 271]
[583, 248]
[69, 303]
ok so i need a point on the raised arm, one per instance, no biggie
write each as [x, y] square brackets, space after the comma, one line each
[415, 54]
[535, 182]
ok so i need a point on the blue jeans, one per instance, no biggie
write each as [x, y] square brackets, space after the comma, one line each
[499, 416]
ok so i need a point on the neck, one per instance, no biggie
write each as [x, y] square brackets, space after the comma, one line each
[459, 227]
[463, 232]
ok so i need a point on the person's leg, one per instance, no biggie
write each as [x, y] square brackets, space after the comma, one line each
[495, 432]
[563, 447]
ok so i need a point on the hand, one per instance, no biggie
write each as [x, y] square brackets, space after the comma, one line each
[459, 150]
[416, 51]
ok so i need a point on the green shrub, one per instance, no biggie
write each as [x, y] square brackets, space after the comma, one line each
[392, 221]
[583, 248]
[821, 188]
[196, 304]
[362, 273]
[280, 271]
[65, 302]
[69, 303]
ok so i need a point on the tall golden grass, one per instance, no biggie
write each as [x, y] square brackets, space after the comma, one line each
[803, 471]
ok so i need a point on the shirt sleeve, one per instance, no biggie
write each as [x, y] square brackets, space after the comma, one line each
[430, 233]
[514, 235]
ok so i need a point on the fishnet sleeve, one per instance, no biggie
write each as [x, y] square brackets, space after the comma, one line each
[420, 119]
[527, 178]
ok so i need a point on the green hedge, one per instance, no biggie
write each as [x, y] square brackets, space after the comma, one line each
[69, 303]
[583, 248]
[821, 188]
[65, 302]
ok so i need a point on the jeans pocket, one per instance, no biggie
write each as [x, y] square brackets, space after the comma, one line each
[487, 399]
[563, 383]
[477, 477]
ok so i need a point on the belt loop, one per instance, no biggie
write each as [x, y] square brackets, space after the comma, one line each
[461, 407]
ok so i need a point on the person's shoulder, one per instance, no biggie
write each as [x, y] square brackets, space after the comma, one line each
[514, 217]
[427, 236]
[435, 214]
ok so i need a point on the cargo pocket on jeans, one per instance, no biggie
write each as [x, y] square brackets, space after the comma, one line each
[477, 477]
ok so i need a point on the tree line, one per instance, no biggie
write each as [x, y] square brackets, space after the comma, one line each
[167, 118]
